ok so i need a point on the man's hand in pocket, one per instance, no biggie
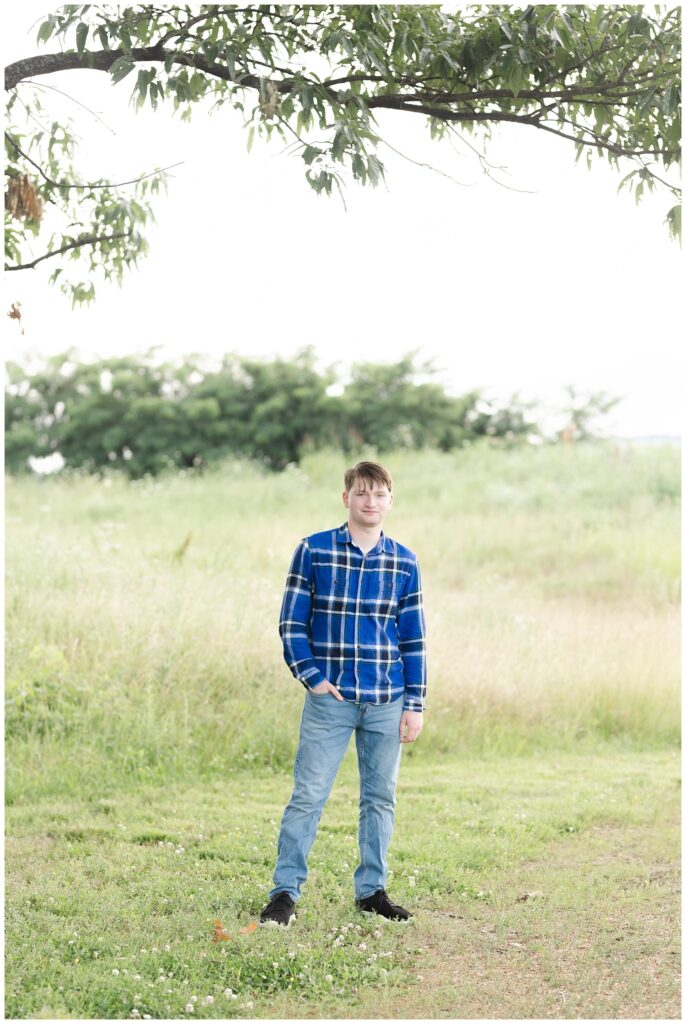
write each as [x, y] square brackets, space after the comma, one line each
[326, 687]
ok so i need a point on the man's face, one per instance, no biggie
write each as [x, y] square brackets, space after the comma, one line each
[367, 502]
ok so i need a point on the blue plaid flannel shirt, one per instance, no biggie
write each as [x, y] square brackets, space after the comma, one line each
[356, 620]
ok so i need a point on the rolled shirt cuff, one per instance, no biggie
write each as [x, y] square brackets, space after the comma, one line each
[313, 677]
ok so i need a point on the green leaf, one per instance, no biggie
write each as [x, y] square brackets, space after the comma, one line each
[251, 136]
[45, 31]
[667, 100]
[375, 168]
[121, 68]
[673, 221]
[310, 153]
[359, 169]
[81, 37]
[339, 143]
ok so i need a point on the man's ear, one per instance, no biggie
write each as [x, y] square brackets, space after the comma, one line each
[345, 498]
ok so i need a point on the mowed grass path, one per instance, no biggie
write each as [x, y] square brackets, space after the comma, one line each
[543, 886]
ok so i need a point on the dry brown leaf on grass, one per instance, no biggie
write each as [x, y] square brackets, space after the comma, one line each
[220, 933]
[248, 929]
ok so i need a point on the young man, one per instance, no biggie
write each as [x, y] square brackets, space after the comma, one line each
[353, 632]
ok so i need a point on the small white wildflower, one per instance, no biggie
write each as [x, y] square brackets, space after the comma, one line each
[167, 947]
[71, 942]
[275, 963]
[420, 977]
[249, 1006]
[137, 998]
[115, 971]
[291, 953]
[411, 880]
[377, 934]
[228, 992]
[135, 1013]
[416, 871]
[136, 977]
[147, 1016]
[190, 938]
[208, 1000]
[328, 977]
[194, 999]
[189, 1007]
[362, 945]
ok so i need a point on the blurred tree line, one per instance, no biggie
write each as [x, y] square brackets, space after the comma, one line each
[144, 416]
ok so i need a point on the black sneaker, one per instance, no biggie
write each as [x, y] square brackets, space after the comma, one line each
[280, 910]
[379, 903]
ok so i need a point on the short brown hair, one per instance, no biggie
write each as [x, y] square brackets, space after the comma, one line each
[368, 471]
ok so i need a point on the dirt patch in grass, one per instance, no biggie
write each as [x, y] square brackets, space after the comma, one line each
[601, 939]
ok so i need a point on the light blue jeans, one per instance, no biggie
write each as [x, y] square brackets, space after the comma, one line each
[325, 730]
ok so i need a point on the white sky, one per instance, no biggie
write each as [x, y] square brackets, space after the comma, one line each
[572, 284]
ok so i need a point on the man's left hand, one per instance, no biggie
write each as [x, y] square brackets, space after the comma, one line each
[412, 721]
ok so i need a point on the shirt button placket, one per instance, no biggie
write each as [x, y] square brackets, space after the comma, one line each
[358, 646]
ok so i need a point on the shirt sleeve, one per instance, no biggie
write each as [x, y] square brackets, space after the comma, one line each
[294, 620]
[412, 641]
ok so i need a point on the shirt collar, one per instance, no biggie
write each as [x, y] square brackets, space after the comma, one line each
[343, 537]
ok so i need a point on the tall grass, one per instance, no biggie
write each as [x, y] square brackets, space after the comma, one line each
[142, 637]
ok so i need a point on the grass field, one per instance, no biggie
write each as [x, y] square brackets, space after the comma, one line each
[147, 703]
[112, 900]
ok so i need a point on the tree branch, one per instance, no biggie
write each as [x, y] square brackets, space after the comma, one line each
[104, 184]
[89, 185]
[85, 240]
